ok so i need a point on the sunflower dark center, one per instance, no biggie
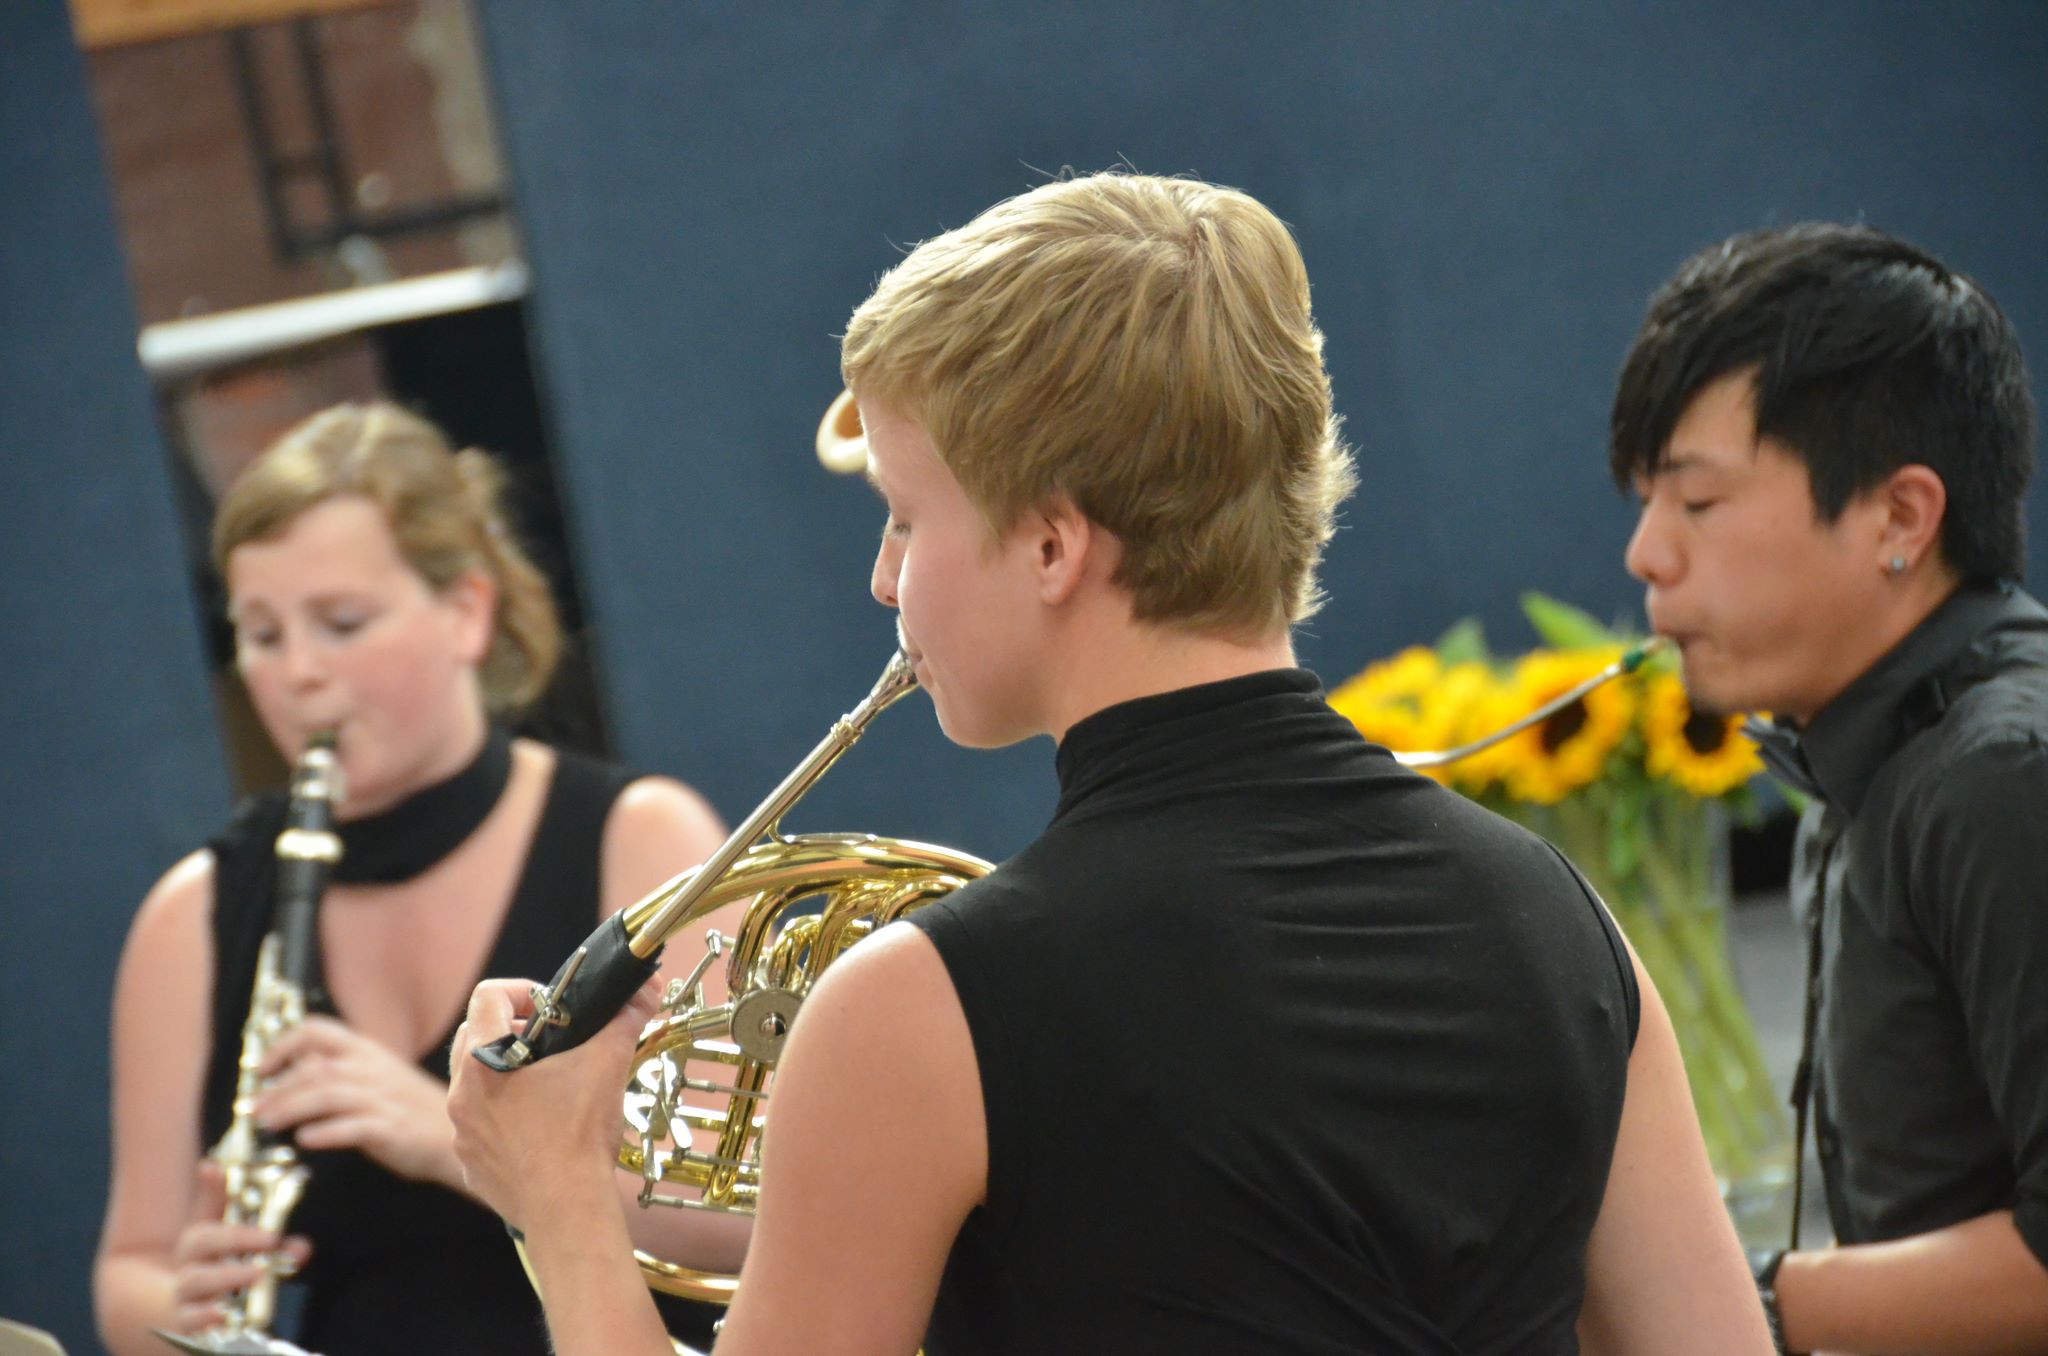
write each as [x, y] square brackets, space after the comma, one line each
[1560, 726]
[1706, 734]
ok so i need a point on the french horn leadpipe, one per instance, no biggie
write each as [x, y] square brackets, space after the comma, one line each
[1631, 659]
[263, 1173]
[603, 973]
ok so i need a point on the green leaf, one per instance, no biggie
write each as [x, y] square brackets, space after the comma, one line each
[1564, 627]
[1464, 643]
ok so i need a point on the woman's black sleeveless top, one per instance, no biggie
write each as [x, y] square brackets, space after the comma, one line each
[400, 1265]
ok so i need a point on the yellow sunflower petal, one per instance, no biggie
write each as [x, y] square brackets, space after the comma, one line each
[1704, 754]
[1569, 749]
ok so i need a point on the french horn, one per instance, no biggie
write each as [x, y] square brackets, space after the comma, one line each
[809, 898]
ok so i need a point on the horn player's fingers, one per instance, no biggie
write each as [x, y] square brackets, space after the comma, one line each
[497, 1007]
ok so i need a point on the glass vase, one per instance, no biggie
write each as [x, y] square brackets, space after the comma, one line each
[1658, 857]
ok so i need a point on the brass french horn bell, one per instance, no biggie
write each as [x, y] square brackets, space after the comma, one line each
[842, 443]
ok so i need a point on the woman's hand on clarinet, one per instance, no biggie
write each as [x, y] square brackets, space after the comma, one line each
[549, 1131]
[334, 1088]
[212, 1261]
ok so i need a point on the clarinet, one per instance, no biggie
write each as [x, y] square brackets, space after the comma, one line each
[264, 1175]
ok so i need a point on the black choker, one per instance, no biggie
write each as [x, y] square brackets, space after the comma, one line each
[426, 826]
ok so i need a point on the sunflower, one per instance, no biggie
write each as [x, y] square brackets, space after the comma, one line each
[1391, 725]
[1384, 701]
[1569, 748]
[1402, 678]
[1705, 754]
[1451, 712]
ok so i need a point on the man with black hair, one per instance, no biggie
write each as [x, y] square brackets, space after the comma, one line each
[1831, 434]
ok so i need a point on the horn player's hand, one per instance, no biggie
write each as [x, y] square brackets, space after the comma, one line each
[548, 1132]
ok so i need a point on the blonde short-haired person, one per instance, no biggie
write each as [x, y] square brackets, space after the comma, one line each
[375, 592]
[1265, 1044]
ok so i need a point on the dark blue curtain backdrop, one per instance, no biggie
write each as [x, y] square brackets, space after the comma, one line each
[110, 768]
[1485, 195]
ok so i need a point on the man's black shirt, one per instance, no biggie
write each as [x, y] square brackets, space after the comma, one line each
[1924, 862]
[1283, 1049]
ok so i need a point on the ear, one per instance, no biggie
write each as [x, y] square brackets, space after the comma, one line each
[1914, 500]
[1063, 543]
[472, 603]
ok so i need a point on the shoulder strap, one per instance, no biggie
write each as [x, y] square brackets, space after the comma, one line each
[555, 903]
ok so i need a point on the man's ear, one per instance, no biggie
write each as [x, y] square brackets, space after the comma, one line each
[1914, 500]
[1063, 543]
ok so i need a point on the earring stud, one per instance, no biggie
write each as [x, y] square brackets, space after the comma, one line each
[1898, 564]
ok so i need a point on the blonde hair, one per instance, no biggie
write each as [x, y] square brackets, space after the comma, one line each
[445, 512]
[1142, 346]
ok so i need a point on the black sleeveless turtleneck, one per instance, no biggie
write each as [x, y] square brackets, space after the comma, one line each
[1283, 1048]
[399, 1265]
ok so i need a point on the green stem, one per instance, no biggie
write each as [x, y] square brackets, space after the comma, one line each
[1671, 906]
[1716, 1026]
[1697, 900]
